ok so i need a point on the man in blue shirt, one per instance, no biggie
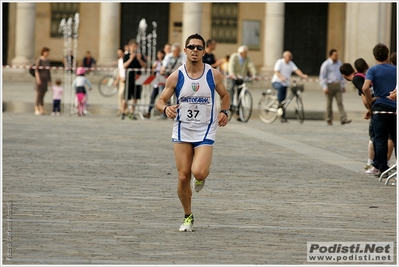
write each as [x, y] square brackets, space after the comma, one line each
[383, 78]
[333, 85]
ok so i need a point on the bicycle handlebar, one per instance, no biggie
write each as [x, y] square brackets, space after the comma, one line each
[244, 79]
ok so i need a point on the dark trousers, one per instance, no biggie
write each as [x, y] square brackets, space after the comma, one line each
[154, 95]
[383, 126]
[57, 105]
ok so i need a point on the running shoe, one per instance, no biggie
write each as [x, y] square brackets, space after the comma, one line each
[367, 167]
[372, 171]
[197, 185]
[187, 225]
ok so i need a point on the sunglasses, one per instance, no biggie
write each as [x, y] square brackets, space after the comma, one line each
[192, 47]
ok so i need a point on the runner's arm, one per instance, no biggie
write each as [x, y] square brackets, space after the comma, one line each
[224, 97]
[170, 111]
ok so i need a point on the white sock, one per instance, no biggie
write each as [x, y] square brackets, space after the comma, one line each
[369, 161]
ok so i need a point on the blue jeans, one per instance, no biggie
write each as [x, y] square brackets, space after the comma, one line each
[57, 105]
[281, 94]
[383, 126]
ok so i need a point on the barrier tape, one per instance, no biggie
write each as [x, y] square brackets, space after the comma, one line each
[149, 79]
[54, 68]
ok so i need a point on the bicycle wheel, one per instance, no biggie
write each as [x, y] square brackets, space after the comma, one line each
[245, 109]
[232, 109]
[268, 108]
[106, 86]
[299, 111]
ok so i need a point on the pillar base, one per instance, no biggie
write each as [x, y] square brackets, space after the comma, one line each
[105, 64]
[266, 72]
[22, 61]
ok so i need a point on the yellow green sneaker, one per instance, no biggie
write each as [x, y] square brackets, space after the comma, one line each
[187, 225]
[197, 185]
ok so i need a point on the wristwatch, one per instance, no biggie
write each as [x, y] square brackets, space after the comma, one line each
[225, 112]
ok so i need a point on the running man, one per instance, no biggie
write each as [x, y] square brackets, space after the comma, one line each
[195, 120]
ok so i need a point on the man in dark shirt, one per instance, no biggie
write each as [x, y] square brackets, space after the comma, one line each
[89, 62]
[209, 57]
[132, 62]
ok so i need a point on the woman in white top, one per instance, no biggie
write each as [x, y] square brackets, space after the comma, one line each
[195, 84]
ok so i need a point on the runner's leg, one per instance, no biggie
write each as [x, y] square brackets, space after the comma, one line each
[184, 158]
[202, 162]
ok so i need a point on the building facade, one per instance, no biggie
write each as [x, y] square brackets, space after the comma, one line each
[308, 30]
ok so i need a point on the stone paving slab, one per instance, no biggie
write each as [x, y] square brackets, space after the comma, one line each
[98, 190]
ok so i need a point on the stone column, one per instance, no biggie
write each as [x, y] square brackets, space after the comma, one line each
[109, 33]
[192, 20]
[25, 34]
[274, 36]
[366, 25]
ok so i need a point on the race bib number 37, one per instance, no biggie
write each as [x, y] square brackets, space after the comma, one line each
[193, 113]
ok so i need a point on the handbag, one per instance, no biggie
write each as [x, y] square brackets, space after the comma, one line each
[32, 71]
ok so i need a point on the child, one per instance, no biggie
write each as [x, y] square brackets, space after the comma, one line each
[80, 89]
[57, 95]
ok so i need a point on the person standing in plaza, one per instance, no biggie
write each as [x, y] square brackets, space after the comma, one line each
[195, 120]
[383, 77]
[175, 59]
[120, 82]
[43, 79]
[57, 96]
[156, 69]
[240, 66]
[89, 62]
[133, 61]
[209, 57]
[224, 67]
[172, 62]
[333, 85]
[283, 68]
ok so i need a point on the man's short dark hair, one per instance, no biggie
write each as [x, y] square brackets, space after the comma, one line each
[380, 52]
[361, 65]
[332, 51]
[346, 69]
[195, 36]
[209, 42]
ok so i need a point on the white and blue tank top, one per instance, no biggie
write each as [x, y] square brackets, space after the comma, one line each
[196, 118]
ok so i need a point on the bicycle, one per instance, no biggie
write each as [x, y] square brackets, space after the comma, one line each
[106, 85]
[269, 109]
[241, 104]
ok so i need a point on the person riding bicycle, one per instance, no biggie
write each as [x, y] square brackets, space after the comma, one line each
[240, 65]
[283, 69]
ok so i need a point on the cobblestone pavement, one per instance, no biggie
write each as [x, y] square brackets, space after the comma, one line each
[98, 190]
